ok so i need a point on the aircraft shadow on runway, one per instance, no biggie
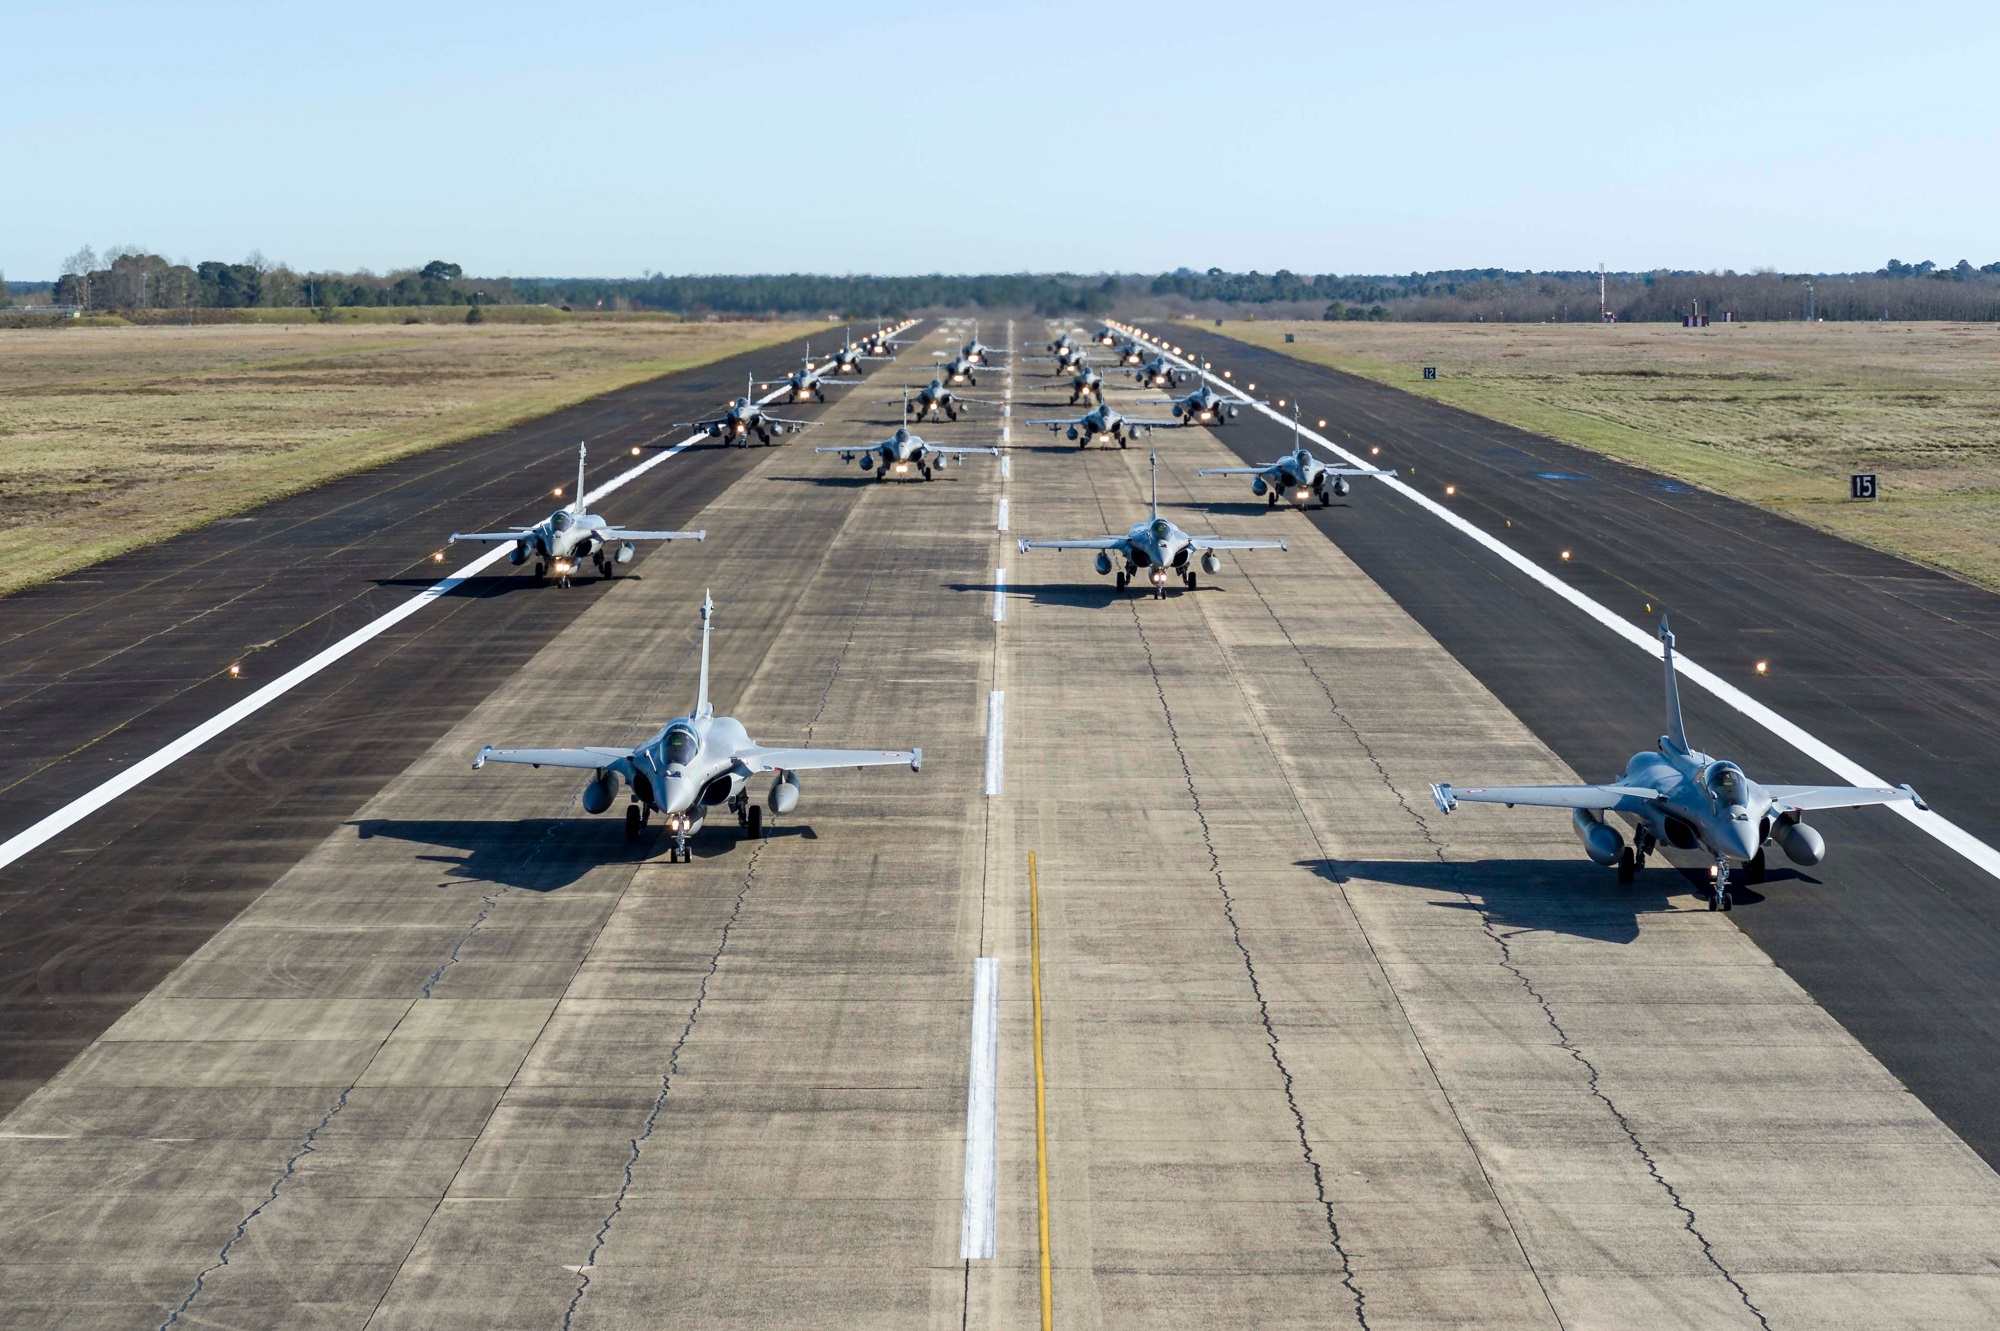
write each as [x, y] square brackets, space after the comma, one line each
[503, 584]
[1244, 509]
[1551, 896]
[547, 854]
[857, 479]
[1078, 593]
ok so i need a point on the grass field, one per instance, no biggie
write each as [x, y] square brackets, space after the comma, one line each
[111, 438]
[1776, 414]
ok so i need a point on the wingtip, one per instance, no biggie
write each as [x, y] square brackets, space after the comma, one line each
[916, 760]
[1441, 796]
[479, 760]
[1915, 798]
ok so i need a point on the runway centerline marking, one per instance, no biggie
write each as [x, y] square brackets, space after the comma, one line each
[69, 815]
[1935, 824]
[982, 1114]
[1002, 518]
[996, 717]
[999, 596]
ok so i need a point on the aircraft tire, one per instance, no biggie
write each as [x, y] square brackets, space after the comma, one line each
[1628, 865]
[927, 473]
[1121, 441]
[632, 822]
[1190, 578]
[1753, 872]
[1121, 582]
[753, 825]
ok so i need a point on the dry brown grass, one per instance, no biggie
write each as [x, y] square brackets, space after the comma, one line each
[111, 438]
[1776, 414]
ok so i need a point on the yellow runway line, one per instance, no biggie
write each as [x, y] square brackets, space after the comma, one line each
[1041, 1095]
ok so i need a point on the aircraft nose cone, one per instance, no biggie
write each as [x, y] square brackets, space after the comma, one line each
[680, 794]
[1742, 840]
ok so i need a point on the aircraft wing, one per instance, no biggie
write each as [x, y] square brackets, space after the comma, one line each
[592, 758]
[628, 534]
[1356, 471]
[788, 423]
[1235, 471]
[849, 449]
[1097, 543]
[1841, 797]
[492, 535]
[1216, 543]
[697, 425]
[935, 448]
[1065, 420]
[1151, 425]
[1633, 798]
[761, 759]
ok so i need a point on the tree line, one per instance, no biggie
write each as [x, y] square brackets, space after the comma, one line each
[132, 279]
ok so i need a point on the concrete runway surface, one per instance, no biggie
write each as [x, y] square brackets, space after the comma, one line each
[1312, 1054]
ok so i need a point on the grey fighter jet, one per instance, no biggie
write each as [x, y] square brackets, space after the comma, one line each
[959, 370]
[743, 418]
[1061, 343]
[935, 397]
[808, 383]
[1159, 373]
[1204, 406]
[1130, 354]
[695, 763]
[1157, 545]
[1066, 359]
[977, 352]
[1296, 477]
[1104, 337]
[902, 453]
[568, 536]
[1691, 801]
[1087, 383]
[848, 356]
[878, 345]
[1102, 422]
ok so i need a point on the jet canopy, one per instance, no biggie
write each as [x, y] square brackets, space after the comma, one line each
[902, 436]
[1726, 784]
[1161, 529]
[561, 520]
[681, 744]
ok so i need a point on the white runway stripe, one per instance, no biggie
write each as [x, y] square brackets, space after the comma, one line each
[996, 716]
[1003, 515]
[982, 1114]
[138, 773]
[999, 596]
[1936, 824]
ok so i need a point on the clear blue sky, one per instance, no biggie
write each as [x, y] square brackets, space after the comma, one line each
[610, 138]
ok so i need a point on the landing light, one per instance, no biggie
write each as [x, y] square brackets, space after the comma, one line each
[1322, 424]
[635, 450]
[1763, 666]
[1374, 452]
[235, 671]
[1451, 490]
[1565, 554]
[557, 492]
[437, 557]
[1225, 374]
[1281, 401]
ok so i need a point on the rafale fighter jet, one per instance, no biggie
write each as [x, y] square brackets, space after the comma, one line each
[878, 345]
[1155, 544]
[1130, 354]
[933, 398]
[1065, 360]
[807, 384]
[1102, 421]
[1159, 373]
[959, 370]
[1295, 477]
[696, 763]
[1204, 406]
[745, 417]
[847, 357]
[568, 536]
[903, 452]
[1087, 383]
[1688, 800]
[1060, 344]
[1104, 337]
[977, 352]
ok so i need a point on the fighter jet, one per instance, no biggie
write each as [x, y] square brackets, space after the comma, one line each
[977, 352]
[1060, 344]
[1159, 373]
[848, 357]
[743, 418]
[1295, 477]
[1204, 406]
[1087, 383]
[903, 452]
[1130, 354]
[933, 398]
[879, 345]
[959, 370]
[1102, 420]
[566, 537]
[1689, 800]
[807, 384]
[1065, 360]
[696, 763]
[1155, 544]
[1105, 337]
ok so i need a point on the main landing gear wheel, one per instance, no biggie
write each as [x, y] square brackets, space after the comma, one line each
[541, 572]
[927, 473]
[1273, 503]
[632, 822]
[753, 823]
[1121, 441]
[1754, 871]
[1188, 577]
[1628, 865]
[1122, 580]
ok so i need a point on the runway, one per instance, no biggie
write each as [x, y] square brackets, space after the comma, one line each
[1308, 1054]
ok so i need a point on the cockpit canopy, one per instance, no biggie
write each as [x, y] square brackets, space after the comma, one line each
[1161, 529]
[560, 521]
[1726, 783]
[902, 436]
[681, 744]
[1300, 459]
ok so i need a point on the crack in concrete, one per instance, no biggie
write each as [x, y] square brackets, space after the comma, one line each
[638, 1143]
[1639, 1147]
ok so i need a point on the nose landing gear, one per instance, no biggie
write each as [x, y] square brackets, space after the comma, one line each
[1719, 897]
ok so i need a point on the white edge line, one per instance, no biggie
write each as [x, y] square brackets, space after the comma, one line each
[996, 718]
[69, 815]
[977, 1221]
[1936, 824]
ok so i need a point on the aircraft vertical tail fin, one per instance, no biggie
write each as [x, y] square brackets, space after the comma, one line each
[702, 707]
[1676, 732]
[1153, 461]
[581, 450]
